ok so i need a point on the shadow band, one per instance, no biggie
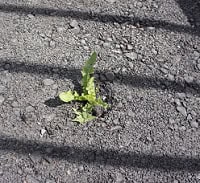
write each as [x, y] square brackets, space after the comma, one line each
[99, 156]
[74, 75]
[97, 17]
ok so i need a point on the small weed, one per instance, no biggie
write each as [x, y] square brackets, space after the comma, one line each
[88, 95]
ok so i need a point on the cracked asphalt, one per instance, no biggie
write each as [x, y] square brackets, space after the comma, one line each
[148, 70]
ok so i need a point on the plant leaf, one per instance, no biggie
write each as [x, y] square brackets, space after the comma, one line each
[100, 102]
[91, 87]
[67, 96]
[87, 71]
[83, 117]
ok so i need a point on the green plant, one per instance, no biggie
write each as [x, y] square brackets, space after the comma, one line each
[88, 95]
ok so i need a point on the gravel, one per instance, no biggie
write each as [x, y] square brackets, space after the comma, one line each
[147, 68]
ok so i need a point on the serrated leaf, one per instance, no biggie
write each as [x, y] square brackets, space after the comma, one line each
[83, 117]
[87, 71]
[67, 96]
[91, 87]
[100, 102]
[87, 108]
[79, 119]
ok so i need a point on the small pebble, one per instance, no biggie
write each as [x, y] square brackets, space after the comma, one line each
[60, 29]
[165, 71]
[117, 46]
[198, 176]
[160, 60]
[111, 1]
[193, 113]
[31, 16]
[49, 117]
[119, 105]
[149, 139]
[171, 121]
[68, 172]
[154, 51]
[106, 44]
[42, 132]
[17, 111]
[81, 168]
[30, 109]
[119, 178]
[30, 179]
[1, 172]
[48, 82]
[188, 79]
[196, 54]
[116, 121]
[116, 128]
[2, 89]
[151, 28]
[75, 30]
[130, 65]
[194, 124]
[73, 23]
[1, 99]
[55, 86]
[131, 113]
[129, 47]
[20, 172]
[15, 104]
[52, 44]
[182, 128]
[109, 39]
[131, 55]
[180, 95]
[182, 110]
[83, 41]
[49, 181]
[177, 102]
[189, 117]
[171, 77]
[198, 66]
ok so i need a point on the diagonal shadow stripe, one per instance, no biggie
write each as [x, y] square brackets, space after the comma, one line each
[191, 8]
[97, 156]
[73, 74]
[97, 17]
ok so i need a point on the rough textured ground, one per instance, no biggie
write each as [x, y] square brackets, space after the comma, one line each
[149, 71]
